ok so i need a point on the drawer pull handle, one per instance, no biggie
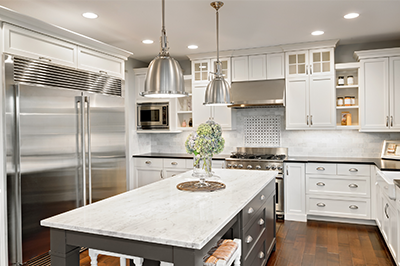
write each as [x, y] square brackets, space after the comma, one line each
[103, 72]
[353, 207]
[173, 175]
[386, 187]
[174, 163]
[321, 204]
[148, 162]
[386, 214]
[261, 255]
[353, 186]
[320, 168]
[321, 184]
[261, 222]
[353, 170]
[45, 58]
[250, 211]
[262, 197]
[249, 239]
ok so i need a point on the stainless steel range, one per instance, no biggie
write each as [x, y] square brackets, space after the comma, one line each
[262, 159]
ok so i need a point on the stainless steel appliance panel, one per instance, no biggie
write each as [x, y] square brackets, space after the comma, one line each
[43, 176]
[154, 115]
[106, 146]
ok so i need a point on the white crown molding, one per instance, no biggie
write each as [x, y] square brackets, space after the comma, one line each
[347, 65]
[20, 20]
[266, 50]
[359, 55]
[139, 71]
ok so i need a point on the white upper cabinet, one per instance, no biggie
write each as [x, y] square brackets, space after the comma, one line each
[310, 89]
[22, 42]
[257, 67]
[276, 66]
[379, 90]
[201, 113]
[240, 68]
[101, 63]
[26, 43]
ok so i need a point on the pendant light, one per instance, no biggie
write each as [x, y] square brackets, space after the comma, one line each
[164, 77]
[218, 90]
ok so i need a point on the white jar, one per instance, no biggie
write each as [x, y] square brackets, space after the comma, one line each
[350, 80]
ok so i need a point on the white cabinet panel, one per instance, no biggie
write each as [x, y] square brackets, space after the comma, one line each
[322, 105]
[223, 116]
[374, 94]
[353, 169]
[257, 67]
[147, 176]
[101, 63]
[26, 43]
[240, 68]
[276, 66]
[338, 185]
[201, 113]
[394, 81]
[297, 104]
[321, 168]
[294, 186]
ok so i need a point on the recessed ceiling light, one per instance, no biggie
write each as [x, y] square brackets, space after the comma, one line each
[317, 32]
[193, 46]
[90, 15]
[351, 15]
[147, 41]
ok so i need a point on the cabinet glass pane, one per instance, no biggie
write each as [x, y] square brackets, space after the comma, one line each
[326, 56]
[224, 73]
[317, 67]
[301, 58]
[224, 64]
[197, 76]
[204, 76]
[292, 59]
[326, 67]
[204, 67]
[316, 57]
[301, 69]
[292, 69]
[196, 67]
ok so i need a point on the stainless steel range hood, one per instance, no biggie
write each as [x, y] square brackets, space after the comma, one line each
[264, 93]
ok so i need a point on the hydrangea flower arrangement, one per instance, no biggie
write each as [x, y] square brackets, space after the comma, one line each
[206, 141]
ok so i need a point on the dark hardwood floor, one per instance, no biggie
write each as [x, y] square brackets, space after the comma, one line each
[314, 243]
[331, 244]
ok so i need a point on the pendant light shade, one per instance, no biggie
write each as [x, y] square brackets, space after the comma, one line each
[218, 90]
[164, 77]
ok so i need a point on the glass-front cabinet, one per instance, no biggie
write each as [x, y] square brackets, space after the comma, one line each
[309, 62]
[201, 71]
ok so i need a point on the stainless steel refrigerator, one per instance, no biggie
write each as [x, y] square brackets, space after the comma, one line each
[65, 131]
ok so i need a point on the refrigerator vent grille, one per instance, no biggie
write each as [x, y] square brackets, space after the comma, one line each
[40, 73]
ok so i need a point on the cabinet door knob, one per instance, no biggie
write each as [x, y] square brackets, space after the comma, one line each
[250, 211]
[249, 239]
[262, 197]
[174, 163]
[261, 255]
[320, 168]
[320, 204]
[321, 184]
[353, 170]
[353, 186]
[261, 222]
[353, 207]
[148, 162]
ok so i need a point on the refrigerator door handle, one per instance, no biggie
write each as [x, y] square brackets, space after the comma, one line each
[81, 103]
[89, 133]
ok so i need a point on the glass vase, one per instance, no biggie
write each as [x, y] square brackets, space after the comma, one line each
[202, 169]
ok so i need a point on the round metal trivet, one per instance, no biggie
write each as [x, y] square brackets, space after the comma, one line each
[191, 186]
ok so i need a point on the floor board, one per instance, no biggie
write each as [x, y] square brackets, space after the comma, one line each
[314, 243]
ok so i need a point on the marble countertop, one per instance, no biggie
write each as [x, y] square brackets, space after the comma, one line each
[176, 155]
[160, 213]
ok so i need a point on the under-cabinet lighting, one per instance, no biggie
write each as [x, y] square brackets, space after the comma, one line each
[147, 41]
[193, 46]
[90, 15]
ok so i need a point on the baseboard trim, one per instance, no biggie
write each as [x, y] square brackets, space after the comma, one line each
[295, 217]
[341, 220]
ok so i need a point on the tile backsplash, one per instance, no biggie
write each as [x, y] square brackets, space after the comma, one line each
[326, 143]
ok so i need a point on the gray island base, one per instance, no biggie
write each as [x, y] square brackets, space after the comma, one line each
[158, 222]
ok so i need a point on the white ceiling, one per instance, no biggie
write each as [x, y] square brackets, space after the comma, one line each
[243, 23]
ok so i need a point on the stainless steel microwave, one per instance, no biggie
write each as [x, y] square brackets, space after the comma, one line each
[152, 115]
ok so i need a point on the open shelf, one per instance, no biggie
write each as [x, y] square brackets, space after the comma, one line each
[352, 127]
[347, 107]
[184, 112]
[355, 86]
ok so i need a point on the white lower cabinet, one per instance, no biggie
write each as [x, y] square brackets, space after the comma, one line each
[294, 191]
[389, 224]
[338, 190]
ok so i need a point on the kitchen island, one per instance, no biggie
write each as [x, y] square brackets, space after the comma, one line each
[161, 223]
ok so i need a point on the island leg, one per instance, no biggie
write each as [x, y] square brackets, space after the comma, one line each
[187, 257]
[61, 253]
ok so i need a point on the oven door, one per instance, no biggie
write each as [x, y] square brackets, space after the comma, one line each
[152, 116]
[279, 196]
